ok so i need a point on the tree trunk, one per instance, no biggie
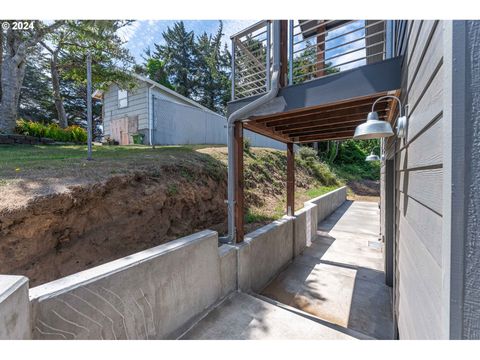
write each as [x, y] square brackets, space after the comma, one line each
[57, 97]
[13, 72]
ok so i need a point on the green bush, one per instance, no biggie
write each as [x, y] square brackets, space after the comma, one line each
[72, 133]
[309, 160]
[246, 144]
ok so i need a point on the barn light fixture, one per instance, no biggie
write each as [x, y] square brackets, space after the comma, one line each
[372, 157]
[375, 128]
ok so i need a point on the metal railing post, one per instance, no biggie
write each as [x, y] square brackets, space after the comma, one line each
[233, 69]
[290, 55]
[267, 67]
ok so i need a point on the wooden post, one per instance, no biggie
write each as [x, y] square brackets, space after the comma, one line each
[283, 53]
[290, 180]
[321, 51]
[239, 197]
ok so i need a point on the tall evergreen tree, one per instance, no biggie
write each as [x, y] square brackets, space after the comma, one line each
[178, 56]
[212, 77]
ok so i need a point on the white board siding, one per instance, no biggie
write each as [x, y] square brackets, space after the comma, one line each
[419, 181]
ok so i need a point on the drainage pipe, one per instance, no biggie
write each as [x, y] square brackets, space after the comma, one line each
[241, 115]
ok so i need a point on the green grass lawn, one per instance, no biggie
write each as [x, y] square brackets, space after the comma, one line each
[22, 155]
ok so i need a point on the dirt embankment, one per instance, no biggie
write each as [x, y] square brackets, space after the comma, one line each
[64, 233]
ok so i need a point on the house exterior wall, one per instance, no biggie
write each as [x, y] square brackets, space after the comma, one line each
[137, 106]
[471, 305]
[463, 162]
[419, 265]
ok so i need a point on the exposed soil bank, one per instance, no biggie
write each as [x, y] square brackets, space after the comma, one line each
[61, 234]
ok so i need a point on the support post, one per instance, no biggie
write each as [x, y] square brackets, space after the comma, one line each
[89, 106]
[290, 180]
[239, 182]
[321, 50]
[283, 53]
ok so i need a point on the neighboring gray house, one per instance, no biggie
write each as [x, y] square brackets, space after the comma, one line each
[164, 117]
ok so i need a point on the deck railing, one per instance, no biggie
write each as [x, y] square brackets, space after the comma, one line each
[316, 48]
[251, 59]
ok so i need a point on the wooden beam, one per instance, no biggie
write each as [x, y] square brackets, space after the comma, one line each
[320, 51]
[338, 121]
[239, 182]
[332, 130]
[347, 103]
[290, 180]
[319, 115]
[325, 121]
[262, 130]
[283, 53]
[324, 139]
[331, 136]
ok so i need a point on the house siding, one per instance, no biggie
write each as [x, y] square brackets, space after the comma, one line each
[137, 106]
[418, 285]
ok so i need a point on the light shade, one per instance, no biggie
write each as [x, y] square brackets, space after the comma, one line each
[373, 128]
[372, 157]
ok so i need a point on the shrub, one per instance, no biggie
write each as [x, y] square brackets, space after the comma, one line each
[72, 133]
[308, 153]
[246, 144]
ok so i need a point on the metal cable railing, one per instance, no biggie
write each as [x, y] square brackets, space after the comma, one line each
[316, 48]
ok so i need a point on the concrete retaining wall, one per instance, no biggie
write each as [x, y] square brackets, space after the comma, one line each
[153, 294]
[14, 308]
[263, 253]
[305, 227]
[228, 268]
[328, 203]
[158, 293]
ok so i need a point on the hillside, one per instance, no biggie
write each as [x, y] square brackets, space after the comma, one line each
[61, 214]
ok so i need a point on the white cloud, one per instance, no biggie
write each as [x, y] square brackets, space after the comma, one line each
[127, 32]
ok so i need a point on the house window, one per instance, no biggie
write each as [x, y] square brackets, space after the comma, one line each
[122, 98]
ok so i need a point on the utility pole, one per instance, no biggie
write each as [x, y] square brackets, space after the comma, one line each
[89, 105]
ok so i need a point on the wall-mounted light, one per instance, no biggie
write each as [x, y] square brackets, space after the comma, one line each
[374, 128]
[372, 157]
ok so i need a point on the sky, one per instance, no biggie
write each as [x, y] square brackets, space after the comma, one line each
[144, 33]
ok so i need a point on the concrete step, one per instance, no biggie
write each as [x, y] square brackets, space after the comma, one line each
[242, 316]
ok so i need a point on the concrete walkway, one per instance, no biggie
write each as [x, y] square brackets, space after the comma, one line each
[334, 290]
[340, 277]
[244, 317]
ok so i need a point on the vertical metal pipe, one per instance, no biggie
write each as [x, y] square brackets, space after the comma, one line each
[290, 55]
[267, 67]
[89, 105]
[241, 114]
[233, 68]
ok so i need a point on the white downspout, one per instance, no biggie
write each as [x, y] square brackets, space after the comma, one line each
[241, 115]
[150, 115]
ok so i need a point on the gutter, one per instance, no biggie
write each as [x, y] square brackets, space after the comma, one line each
[242, 115]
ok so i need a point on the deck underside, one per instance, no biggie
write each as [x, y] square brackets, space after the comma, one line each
[328, 108]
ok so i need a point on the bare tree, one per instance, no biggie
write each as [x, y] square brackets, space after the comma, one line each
[14, 54]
